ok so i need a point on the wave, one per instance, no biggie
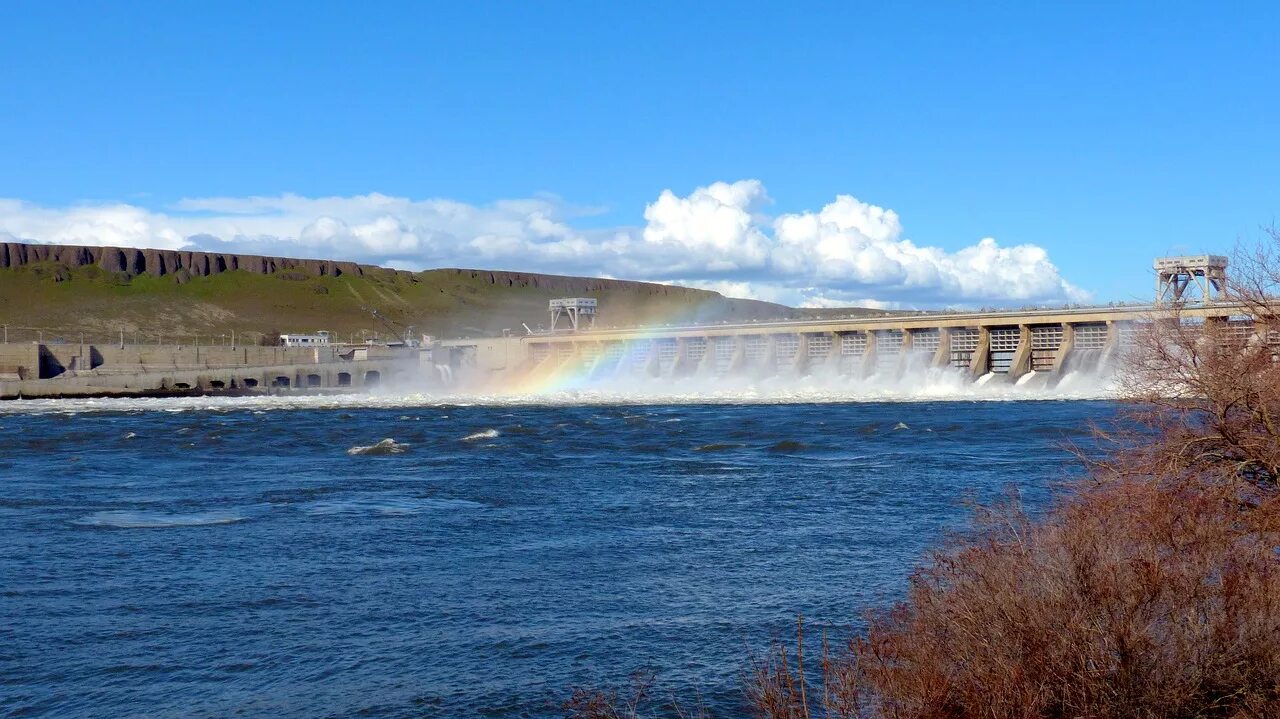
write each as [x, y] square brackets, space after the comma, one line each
[483, 434]
[385, 447]
[387, 506]
[718, 447]
[142, 519]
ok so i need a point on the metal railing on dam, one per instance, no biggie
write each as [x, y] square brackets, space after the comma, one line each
[1007, 344]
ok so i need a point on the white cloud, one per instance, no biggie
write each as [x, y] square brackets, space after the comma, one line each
[738, 288]
[854, 246]
[712, 230]
[717, 237]
[867, 302]
[113, 224]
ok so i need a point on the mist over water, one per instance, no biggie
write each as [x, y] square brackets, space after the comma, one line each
[1086, 378]
[207, 557]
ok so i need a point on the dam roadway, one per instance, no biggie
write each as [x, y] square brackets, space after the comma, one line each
[1008, 344]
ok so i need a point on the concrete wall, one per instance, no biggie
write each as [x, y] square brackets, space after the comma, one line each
[45, 361]
[36, 370]
[188, 356]
[244, 380]
[19, 361]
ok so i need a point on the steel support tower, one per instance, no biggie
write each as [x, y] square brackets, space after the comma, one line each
[578, 310]
[1198, 279]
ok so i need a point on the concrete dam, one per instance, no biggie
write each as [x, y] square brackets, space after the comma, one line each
[1038, 347]
[1007, 345]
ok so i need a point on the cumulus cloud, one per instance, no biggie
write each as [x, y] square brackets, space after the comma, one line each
[718, 237]
[710, 231]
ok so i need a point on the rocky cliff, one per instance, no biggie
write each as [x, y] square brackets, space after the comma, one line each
[159, 263]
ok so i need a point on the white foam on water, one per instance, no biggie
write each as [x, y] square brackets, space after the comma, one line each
[385, 447]
[386, 506]
[485, 434]
[146, 519]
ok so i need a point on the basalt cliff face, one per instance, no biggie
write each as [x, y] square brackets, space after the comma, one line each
[159, 263]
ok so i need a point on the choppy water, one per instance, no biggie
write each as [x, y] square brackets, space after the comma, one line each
[220, 559]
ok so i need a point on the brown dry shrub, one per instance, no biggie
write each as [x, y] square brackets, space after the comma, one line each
[638, 703]
[1129, 600]
[1204, 393]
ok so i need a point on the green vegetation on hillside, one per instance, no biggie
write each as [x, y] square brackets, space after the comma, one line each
[88, 300]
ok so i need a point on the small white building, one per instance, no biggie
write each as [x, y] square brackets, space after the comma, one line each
[319, 339]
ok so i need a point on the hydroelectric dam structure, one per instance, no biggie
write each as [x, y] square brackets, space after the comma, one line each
[1000, 346]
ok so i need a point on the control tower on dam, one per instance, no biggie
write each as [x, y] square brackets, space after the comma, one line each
[1004, 344]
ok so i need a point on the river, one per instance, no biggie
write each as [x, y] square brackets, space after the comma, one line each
[201, 558]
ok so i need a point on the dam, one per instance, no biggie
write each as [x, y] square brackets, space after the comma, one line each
[1008, 345]
[1000, 346]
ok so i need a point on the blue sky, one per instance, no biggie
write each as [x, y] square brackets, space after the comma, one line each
[1101, 134]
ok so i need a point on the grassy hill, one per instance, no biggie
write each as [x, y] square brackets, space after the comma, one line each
[65, 302]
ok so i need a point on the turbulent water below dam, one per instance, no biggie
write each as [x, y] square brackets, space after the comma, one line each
[275, 557]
